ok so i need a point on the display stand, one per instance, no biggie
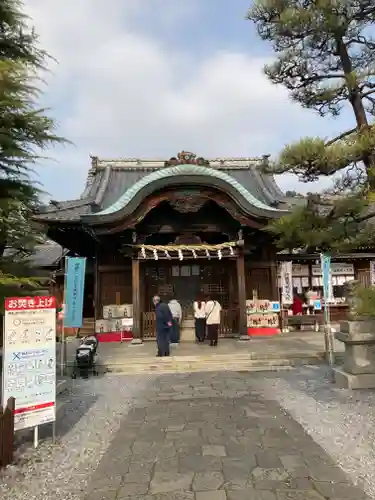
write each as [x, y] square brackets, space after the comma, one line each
[263, 317]
[116, 324]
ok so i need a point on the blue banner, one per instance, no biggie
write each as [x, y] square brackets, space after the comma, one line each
[326, 273]
[75, 268]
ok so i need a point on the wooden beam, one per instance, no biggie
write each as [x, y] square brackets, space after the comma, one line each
[241, 280]
[136, 299]
[186, 258]
[113, 268]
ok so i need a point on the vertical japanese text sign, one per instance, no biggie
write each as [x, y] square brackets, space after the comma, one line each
[286, 283]
[75, 268]
[326, 274]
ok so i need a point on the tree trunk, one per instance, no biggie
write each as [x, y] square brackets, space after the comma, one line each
[358, 108]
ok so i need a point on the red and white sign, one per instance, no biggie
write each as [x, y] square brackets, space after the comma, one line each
[29, 359]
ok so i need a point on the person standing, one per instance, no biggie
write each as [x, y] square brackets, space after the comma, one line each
[213, 310]
[176, 311]
[200, 320]
[163, 326]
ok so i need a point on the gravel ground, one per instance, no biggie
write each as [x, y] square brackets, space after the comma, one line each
[342, 422]
[88, 417]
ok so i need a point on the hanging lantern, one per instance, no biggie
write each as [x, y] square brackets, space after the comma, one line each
[180, 254]
[167, 254]
[219, 254]
[194, 253]
[231, 251]
[156, 257]
[143, 252]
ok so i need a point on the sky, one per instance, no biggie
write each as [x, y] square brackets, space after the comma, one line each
[149, 78]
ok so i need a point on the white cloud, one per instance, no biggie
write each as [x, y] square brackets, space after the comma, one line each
[122, 92]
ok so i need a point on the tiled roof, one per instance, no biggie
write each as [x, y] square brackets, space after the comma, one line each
[194, 172]
[109, 180]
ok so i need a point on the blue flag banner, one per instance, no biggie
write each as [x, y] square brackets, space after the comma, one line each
[326, 274]
[75, 268]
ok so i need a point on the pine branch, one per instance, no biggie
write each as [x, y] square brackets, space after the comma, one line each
[341, 136]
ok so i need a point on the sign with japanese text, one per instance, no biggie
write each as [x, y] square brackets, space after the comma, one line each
[298, 270]
[325, 261]
[337, 269]
[29, 359]
[286, 283]
[75, 268]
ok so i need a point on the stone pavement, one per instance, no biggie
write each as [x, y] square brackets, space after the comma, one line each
[282, 350]
[212, 437]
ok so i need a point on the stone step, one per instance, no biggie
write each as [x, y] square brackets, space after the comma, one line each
[176, 364]
[187, 334]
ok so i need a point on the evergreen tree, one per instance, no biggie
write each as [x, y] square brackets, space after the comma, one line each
[326, 59]
[25, 131]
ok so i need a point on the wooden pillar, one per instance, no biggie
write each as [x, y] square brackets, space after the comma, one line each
[97, 288]
[310, 276]
[241, 280]
[273, 279]
[136, 298]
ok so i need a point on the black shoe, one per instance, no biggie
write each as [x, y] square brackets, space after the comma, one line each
[211, 344]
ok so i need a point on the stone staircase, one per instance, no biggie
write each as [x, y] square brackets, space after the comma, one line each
[88, 327]
[207, 362]
[187, 331]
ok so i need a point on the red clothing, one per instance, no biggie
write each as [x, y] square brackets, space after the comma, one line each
[297, 306]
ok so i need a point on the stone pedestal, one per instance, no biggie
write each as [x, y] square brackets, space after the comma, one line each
[358, 371]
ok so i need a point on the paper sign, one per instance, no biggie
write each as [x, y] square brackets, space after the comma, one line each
[29, 359]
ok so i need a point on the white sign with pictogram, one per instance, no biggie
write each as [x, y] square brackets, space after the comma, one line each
[29, 359]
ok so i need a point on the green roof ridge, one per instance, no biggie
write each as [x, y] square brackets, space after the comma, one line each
[185, 169]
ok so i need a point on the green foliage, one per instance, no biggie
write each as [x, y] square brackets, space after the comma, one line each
[340, 225]
[325, 58]
[364, 300]
[26, 130]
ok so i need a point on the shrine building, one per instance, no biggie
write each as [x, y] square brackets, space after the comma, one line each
[181, 228]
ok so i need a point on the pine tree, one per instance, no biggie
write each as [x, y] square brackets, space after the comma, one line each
[25, 131]
[326, 60]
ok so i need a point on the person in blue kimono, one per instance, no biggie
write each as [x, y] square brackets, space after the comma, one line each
[164, 321]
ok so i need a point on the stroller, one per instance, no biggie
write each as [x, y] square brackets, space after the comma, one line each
[85, 358]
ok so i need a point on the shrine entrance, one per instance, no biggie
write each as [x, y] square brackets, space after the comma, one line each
[187, 284]
[215, 271]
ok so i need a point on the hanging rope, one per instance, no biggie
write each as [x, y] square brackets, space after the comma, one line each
[208, 250]
[199, 247]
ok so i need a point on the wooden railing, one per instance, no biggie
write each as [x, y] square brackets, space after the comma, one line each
[7, 433]
[228, 325]
[148, 325]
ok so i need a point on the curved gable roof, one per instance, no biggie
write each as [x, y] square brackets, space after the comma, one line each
[186, 174]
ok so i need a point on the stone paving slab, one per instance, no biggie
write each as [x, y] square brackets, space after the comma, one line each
[211, 437]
